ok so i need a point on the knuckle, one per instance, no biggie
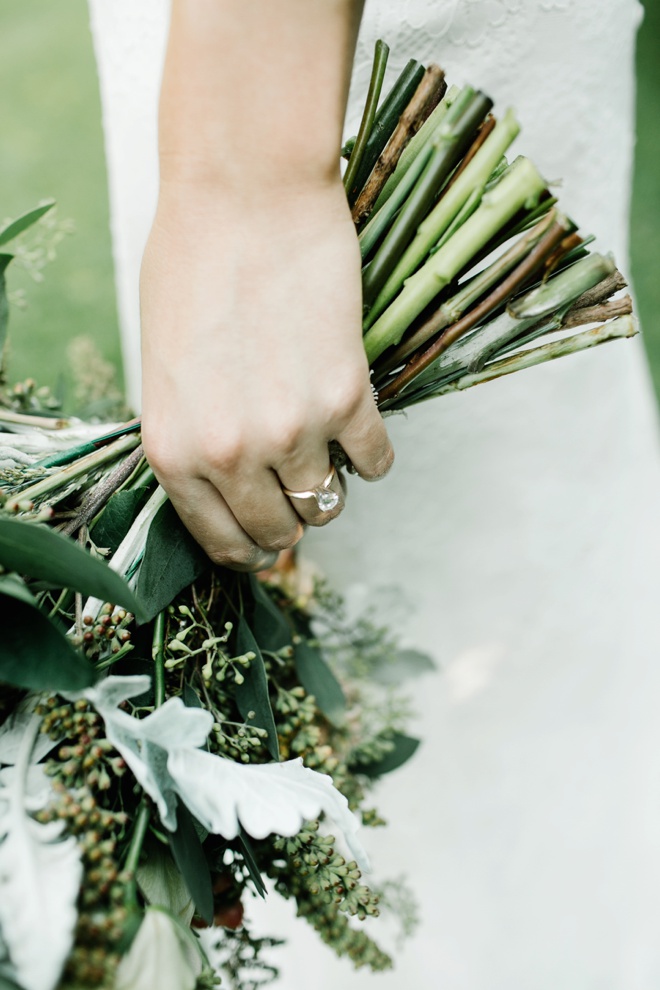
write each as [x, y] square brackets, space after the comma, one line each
[347, 398]
[288, 434]
[226, 453]
[242, 556]
[281, 542]
[160, 454]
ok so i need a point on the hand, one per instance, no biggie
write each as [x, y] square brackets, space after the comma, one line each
[253, 361]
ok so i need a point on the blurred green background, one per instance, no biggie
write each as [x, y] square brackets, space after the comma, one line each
[53, 146]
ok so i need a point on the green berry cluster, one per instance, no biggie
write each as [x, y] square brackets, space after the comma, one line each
[327, 889]
[108, 633]
[83, 772]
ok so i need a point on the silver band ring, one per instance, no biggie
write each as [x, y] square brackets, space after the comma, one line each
[326, 498]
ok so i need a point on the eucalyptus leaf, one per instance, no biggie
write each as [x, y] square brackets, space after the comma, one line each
[250, 861]
[4, 303]
[406, 664]
[318, 679]
[38, 552]
[115, 520]
[172, 561]
[190, 697]
[404, 747]
[17, 226]
[162, 883]
[189, 857]
[35, 654]
[270, 626]
[15, 587]
[252, 694]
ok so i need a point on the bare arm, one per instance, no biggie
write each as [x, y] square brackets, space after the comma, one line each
[251, 300]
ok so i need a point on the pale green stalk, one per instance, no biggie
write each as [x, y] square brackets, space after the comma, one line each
[130, 551]
[521, 185]
[549, 302]
[425, 135]
[85, 465]
[380, 221]
[624, 326]
[474, 177]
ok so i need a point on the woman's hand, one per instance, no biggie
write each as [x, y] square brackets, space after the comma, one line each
[253, 360]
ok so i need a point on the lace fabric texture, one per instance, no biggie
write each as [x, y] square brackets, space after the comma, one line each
[520, 527]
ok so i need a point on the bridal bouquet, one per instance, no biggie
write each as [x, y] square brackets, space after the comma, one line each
[176, 737]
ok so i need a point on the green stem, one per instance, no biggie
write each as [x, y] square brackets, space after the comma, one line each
[624, 326]
[59, 479]
[381, 54]
[386, 120]
[422, 140]
[381, 220]
[519, 186]
[158, 657]
[454, 139]
[454, 308]
[24, 419]
[135, 849]
[119, 655]
[543, 309]
[474, 177]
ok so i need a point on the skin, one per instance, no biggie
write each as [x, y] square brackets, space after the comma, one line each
[251, 292]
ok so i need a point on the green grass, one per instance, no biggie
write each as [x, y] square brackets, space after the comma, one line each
[52, 142]
[53, 147]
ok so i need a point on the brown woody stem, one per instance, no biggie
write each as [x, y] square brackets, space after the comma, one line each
[425, 99]
[422, 359]
[599, 313]
[100, 494]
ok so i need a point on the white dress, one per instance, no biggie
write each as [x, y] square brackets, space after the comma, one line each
[523, 521]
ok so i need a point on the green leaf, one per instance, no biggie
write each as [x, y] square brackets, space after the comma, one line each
[116, 518]
[172, 561]
[191, 861]
[250, 861]
[271, 629]
[404, 748]
[15, 587]
[252, 694]
[190, 697]
[17, 226]
[38, 552]
[4, 304]
[34, 653]
[406, 664]
[318, 679]
[7, 984]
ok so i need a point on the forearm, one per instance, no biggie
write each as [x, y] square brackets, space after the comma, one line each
[254, 91]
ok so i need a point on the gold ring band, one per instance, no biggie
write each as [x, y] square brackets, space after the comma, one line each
[326, 498]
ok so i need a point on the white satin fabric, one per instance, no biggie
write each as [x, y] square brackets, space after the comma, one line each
[522, 521]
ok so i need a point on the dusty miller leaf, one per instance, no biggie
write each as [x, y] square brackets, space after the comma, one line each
[262, 798]
[40, 877]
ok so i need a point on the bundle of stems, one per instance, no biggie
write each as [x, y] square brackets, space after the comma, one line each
[466, 256]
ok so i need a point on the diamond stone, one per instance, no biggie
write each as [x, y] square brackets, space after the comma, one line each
[326, 499]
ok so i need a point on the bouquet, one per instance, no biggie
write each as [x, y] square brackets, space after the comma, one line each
[176, 737]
